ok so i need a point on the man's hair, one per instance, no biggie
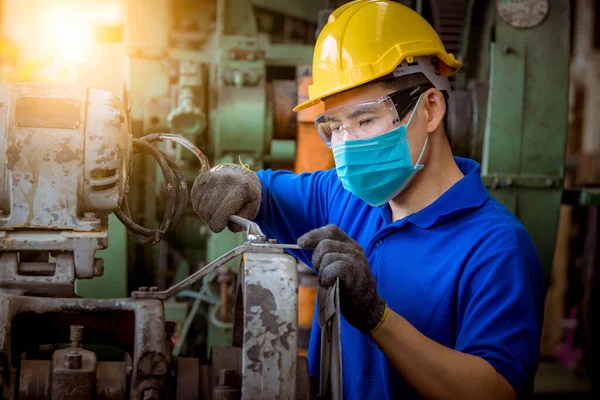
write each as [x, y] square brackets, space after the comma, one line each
[408, 81]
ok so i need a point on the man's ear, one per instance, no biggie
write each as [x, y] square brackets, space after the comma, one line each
[436, 109]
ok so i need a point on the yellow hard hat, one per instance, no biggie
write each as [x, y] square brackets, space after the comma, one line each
[367, 39]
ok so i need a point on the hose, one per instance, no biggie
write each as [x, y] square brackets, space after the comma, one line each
[176, 188]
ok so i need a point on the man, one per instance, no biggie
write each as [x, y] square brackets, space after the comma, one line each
[441, 288]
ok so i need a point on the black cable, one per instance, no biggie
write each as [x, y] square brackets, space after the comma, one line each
[176, 189]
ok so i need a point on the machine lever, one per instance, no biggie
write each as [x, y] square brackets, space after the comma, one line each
[253, 232]
[248, 247]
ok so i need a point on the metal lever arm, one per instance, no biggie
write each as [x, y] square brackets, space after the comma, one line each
[253, 231]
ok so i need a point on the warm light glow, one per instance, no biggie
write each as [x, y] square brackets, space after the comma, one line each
[56, 38]
[68, 34]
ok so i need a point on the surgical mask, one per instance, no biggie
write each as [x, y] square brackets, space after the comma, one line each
[376, 169]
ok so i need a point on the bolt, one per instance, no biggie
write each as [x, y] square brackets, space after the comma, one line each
[151, 394]
[227, 377]
[143, 289]
[89, 216]
[73, 360]
[154, 289]
[251, 56]
[232, 55]
[76, 335]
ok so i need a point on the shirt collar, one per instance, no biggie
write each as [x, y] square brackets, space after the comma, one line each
[466, 194]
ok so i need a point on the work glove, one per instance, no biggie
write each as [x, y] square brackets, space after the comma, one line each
[336, 255]
[225, 190]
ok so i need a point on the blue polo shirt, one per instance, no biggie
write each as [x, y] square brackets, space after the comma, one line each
[463, 271]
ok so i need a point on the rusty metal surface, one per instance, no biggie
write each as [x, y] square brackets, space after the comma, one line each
[40, 112]
[108, 152]
[111, 380]
[34, 380]
[59, 284]
[144, 336]
[60, 139]
[73, 374]
[269, 353]
[35, 377]
[82, 245]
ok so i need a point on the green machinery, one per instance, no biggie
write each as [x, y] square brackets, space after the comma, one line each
[219, 72]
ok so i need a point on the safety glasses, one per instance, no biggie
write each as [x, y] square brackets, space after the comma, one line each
[368, 118]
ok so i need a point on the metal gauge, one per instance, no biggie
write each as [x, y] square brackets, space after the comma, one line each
[522, 13]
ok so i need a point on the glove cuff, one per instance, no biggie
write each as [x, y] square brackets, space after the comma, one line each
[385, 313]
[375, 314]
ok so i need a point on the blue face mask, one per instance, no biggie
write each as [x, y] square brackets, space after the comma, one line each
[377, 169]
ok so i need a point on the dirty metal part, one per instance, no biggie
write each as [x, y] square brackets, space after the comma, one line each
[35, 377]
[271, 248]
[73, 374]
[66, 153]
[136, 326]
[331, 351]
[82, 246]
[60, 284]
[269, 351]
[188, 379]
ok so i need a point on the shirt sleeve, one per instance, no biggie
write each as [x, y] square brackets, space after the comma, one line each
[500, 314]
[293, 204]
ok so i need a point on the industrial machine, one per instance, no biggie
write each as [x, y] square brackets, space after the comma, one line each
[66, 156]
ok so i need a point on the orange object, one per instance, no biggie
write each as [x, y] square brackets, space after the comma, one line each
[311, 153]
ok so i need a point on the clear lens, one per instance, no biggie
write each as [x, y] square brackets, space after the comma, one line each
[357, 121]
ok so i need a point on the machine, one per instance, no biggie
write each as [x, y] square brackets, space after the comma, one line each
[66, 155]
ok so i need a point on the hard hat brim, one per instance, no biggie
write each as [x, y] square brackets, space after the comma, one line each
[448, 66]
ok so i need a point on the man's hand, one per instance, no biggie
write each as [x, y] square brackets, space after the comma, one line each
[337, 255]
[228, 189]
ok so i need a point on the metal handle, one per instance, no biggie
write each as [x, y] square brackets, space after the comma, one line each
[253, 232]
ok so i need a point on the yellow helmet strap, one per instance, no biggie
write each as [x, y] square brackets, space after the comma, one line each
[425, 66]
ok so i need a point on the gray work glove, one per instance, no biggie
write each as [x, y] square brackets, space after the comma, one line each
[336, 255]
[228, 189]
